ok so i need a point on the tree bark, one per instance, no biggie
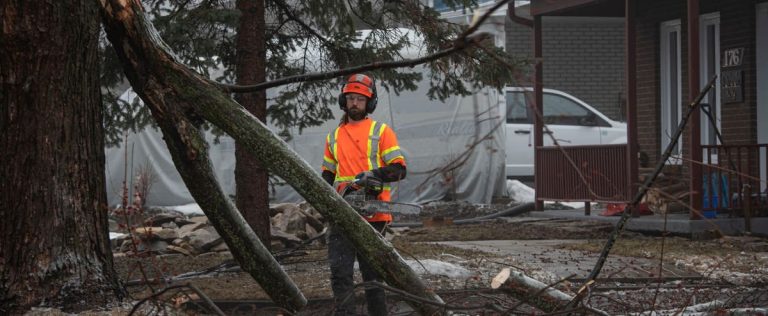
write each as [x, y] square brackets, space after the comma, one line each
[54, 246]
[178, 99]
[251, 180]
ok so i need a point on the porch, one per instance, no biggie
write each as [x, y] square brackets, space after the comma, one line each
[678, 224]
[726, 183]
[734, 198]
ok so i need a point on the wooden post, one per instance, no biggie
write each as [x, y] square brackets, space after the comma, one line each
[630, 73]
[694, 139]
[538, 99]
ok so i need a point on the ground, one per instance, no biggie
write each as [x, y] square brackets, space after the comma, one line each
[730, 268]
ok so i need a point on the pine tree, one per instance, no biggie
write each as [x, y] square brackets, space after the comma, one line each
[303, 37]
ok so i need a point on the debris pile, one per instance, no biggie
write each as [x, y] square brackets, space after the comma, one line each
[170, 231]
[669, 193]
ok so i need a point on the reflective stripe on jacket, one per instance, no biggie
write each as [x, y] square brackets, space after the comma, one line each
[360, 146]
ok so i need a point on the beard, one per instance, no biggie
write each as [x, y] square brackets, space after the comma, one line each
[356, 114]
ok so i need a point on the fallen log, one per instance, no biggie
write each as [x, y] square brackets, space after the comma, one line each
[531, 291]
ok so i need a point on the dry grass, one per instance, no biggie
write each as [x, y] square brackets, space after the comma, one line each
[674, 247]
[500, 230]
[432, 251]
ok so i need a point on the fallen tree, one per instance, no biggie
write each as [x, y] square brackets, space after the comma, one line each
[172, 93]
[180, 100]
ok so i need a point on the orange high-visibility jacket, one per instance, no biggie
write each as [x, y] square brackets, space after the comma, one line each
[360, 146]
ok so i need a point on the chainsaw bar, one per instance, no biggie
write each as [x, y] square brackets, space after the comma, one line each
[369, 207]
[366, 205]
[391, 207]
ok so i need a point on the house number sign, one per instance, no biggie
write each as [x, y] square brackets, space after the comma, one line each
[732, 75]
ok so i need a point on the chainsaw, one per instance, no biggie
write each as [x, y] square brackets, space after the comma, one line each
[362, 196]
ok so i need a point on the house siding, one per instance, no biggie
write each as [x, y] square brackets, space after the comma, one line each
[737, 29]
[581, 56]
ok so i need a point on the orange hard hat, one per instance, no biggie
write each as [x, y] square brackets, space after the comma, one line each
[360, 84]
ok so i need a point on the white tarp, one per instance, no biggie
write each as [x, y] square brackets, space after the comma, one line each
[432, 134]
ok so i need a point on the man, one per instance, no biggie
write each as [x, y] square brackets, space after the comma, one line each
[359, 149]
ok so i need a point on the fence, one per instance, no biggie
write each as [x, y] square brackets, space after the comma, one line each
[733, 180]
[600, 173]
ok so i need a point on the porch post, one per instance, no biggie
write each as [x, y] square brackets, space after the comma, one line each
[694, 164]
[630, 71]
[538, 98]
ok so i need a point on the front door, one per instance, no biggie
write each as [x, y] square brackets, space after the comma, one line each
[761, 34]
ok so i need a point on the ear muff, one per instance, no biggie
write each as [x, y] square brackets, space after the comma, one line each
[343, 101]
[370, 106]
[373, 100]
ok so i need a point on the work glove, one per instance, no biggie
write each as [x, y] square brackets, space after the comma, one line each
[370, 181]
[364, 177]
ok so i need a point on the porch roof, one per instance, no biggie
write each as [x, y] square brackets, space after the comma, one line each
[596, 8]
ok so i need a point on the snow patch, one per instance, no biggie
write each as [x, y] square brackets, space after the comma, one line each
[520, 192]
[113, 236]
[186, 209]
[437, 267]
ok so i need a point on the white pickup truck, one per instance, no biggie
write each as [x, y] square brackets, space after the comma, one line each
[572, 122]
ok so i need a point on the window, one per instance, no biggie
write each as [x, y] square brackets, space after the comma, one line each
[671, 100]
[558, 110]
[561, 111]
[517, 109]
[442, 6]
[710, 66]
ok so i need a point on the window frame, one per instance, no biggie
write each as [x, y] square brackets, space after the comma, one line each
[706, 20]
[666, 93]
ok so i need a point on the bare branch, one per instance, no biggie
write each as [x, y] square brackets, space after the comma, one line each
[467, 39]
[464, 44]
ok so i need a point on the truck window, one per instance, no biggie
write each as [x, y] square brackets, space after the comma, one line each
[562, 111]
[517, 109]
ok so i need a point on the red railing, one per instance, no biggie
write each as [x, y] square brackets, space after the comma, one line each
[600, 173]
[733, 180]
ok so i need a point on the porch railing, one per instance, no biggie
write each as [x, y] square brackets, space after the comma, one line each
[733, 180]
[600, 174]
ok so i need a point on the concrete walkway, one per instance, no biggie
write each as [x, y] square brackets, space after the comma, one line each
[676, 223]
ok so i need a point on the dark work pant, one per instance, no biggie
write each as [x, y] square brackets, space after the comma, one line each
[342, 255]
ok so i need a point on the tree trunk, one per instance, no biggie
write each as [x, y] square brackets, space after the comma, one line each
[170, 91]
[251, 180]
[54, 246]
[178, 99]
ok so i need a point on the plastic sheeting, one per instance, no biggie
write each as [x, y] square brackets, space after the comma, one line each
[453, 149]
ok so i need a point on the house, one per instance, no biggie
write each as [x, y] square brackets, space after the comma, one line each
[672, 49]
[598, 56]
[584, 56]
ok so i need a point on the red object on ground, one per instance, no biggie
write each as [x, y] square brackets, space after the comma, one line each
[615, 209]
